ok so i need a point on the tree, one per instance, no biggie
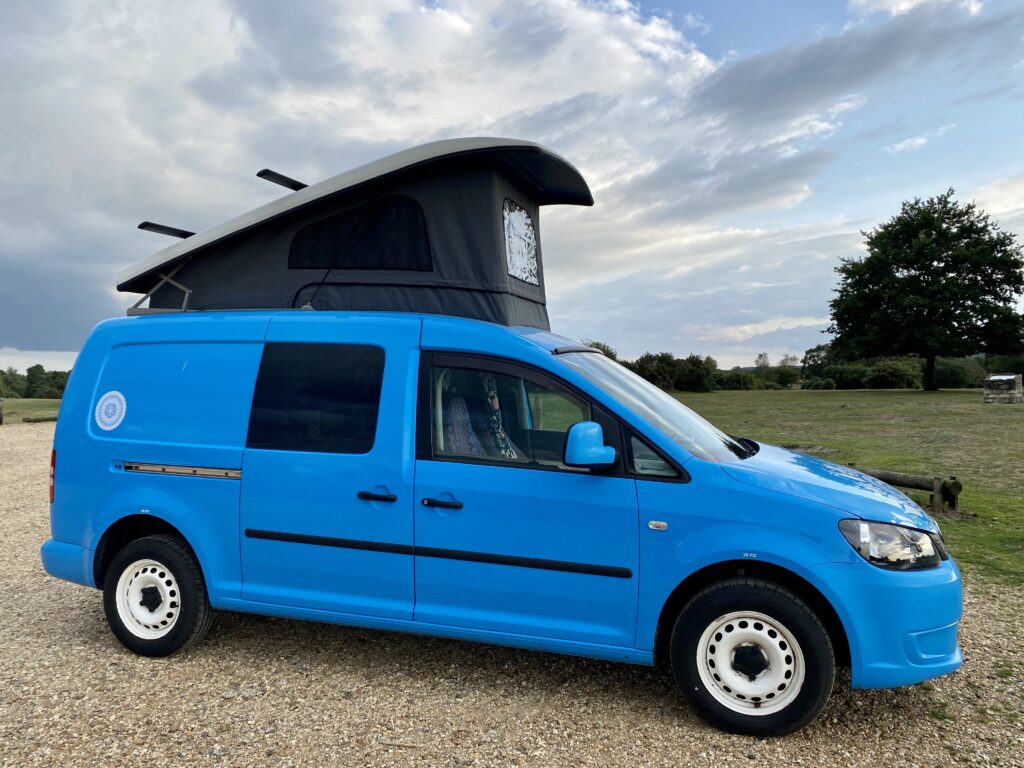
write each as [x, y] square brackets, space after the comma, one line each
[894, 374]
[35, 381]
[762, 361]
[789, 360]
[610, 353]
[815, 360]
[736, 379]
[659, 369]
[786, 376]
[695, 374]
[940, 278]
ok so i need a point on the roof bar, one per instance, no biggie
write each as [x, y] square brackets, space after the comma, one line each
[280, 178]
[160, 229]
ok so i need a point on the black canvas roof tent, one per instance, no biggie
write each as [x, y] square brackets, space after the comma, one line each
[449, 228]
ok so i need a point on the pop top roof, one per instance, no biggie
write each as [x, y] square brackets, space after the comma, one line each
[543, 175]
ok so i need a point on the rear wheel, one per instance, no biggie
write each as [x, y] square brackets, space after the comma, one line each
[752, 657]
[155, 598]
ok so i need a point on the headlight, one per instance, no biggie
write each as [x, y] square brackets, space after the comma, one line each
[893, 546]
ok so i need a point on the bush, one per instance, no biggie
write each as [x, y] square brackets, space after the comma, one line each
[659, 369]
[771, 385]
[894, 374]
[695, 374]
[608, 351]
[952, 373]
[847, 375]
[736, 380]
[1004, 363]
[786, 376]
[817, 383]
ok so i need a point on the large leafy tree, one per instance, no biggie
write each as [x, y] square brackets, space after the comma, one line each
[940, 278]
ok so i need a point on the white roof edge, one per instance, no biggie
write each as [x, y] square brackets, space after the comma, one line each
[381, 167]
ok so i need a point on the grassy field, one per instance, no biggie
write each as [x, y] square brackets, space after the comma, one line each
[929, 433]
[17, 408]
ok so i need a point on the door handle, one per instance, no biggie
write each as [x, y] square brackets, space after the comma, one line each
[442, 504]
[371, 496]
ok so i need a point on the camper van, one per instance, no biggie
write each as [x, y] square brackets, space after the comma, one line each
[348, 407]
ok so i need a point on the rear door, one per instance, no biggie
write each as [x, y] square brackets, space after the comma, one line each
[326, 504]
[508, 538]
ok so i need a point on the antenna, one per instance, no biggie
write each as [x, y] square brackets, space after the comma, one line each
[280, 178]
[161, 229]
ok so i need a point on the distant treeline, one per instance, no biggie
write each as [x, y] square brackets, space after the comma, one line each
[34, 382]
[819, 368]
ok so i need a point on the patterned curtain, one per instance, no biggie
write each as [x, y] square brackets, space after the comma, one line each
[494, 426]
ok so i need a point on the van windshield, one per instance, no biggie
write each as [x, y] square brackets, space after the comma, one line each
[692, 433]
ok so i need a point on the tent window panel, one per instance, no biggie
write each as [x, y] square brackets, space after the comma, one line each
[390, 233]
[520, 243]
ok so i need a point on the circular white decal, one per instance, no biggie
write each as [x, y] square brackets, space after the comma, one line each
[110, 410]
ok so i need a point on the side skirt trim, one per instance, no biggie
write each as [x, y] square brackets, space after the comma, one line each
[446, 554]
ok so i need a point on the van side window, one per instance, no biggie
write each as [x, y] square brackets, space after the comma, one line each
[501, 418]
[317, 397]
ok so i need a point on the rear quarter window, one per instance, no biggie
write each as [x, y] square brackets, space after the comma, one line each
[317, 397]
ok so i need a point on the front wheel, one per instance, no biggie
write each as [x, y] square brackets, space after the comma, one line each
[155, 597]
[752, 657]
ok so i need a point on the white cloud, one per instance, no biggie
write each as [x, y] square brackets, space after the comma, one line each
[697, 22]
[23, 358]
[110, 120]
[1003, 198]
[898, 7]
[907, 145]
[748, 331]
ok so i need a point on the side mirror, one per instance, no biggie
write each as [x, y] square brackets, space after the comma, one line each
[584, 446]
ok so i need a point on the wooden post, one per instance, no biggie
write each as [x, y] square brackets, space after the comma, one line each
[943, 492]
[951, 493]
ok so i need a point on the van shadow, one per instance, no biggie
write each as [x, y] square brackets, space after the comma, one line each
[477, 670]
[341, 662]
[352, 654]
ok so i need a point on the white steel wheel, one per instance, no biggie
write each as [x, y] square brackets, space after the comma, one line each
[750, 663]
[148, 599]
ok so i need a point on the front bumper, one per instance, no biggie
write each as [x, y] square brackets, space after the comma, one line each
[68, 561]
[901, 625]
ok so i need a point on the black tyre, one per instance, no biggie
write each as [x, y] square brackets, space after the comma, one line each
[752, 657]
[155, 597]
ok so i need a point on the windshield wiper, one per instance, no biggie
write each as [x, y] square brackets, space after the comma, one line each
[743, 447]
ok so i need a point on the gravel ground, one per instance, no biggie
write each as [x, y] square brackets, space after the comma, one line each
[271, 692]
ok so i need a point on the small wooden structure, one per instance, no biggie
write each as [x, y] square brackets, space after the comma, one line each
[1003, 388]
[945, 494]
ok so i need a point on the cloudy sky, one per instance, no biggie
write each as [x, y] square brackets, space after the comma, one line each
[735, 149]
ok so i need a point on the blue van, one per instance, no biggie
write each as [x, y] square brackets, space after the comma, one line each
[450, 476]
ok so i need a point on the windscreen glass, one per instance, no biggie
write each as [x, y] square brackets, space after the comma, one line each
[692, 433]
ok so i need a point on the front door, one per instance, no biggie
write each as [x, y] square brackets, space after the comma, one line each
[326, 505]
[508, 538]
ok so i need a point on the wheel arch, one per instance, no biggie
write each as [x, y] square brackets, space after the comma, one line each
[710, 574]
[127, 529]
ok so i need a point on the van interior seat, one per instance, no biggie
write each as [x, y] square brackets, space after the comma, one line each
[459, 436]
